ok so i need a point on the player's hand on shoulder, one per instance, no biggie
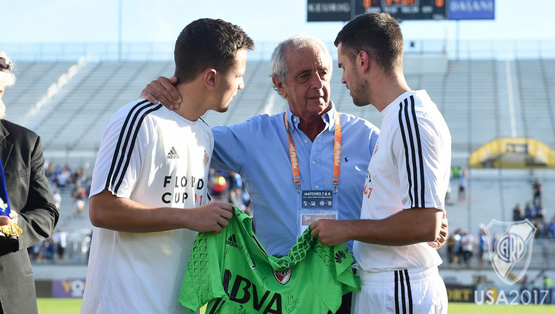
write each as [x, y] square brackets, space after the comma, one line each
[211, 217]
[162, 89]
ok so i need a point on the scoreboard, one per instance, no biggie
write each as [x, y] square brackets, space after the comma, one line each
[405, 9]
[345, 10]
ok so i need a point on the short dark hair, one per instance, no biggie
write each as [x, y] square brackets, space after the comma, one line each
[208, 43]
[378, 34]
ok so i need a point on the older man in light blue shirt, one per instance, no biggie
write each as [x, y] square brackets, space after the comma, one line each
[258, 150]
[265, 149]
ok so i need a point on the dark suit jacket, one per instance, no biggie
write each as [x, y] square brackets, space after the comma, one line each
[29, 196]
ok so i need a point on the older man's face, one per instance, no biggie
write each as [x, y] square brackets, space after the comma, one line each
[307, 86]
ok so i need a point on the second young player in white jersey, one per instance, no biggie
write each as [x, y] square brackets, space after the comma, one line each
[408, 176]
[149, 185]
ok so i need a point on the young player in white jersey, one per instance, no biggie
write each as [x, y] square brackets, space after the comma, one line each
[149, 188]
[408, 176]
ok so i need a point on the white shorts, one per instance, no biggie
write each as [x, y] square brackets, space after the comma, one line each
[411, 291]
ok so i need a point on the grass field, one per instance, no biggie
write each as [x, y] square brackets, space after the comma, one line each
[58, 306]
[71, 306]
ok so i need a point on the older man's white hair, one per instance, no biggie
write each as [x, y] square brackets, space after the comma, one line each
[278, 64]
[7, 79]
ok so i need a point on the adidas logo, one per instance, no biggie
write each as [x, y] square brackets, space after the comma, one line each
[339, 256]
[172, 154]
[232, 240]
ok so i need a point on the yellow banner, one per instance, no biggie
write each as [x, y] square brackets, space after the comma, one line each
[514, 152]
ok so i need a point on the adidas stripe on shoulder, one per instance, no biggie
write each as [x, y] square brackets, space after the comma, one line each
[126, 142]
[410, 133]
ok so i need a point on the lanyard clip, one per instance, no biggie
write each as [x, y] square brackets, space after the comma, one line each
[298, 185]
[335, 188]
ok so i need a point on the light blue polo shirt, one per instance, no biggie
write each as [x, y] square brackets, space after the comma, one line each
[257, 149]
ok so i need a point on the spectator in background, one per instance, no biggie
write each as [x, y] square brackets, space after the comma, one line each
[528, 213]
[235, 182]
[536, 193]
[60, 238]
[51, 172]
[517, 213]
[57, 198]
[467, 242]
[235, 189]
[463, 181]
[218, 186]
[482, 244]
[539, 228]
[31, 204]
[78, 177]
[451, 248]
[49, 247]
[247, 203]
[539, 212]
[63, 177]
[448, 196]
[457, 248]
[551, 229]
[79, 196]
[456, 171]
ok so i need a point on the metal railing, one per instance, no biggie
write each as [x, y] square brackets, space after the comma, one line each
[163, 51]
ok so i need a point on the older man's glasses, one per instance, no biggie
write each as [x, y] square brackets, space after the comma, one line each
[5, 65]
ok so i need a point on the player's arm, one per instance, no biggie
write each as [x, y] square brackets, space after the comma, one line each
[122, 214]
[411, 224]
[163, 89]
[406, 227]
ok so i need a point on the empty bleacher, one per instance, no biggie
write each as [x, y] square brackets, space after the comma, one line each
[481, 100]
[32, 83]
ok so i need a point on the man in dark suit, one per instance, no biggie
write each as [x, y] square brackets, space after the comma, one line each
[31, 204]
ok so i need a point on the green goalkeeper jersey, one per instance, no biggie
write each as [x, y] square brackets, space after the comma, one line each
[232, 272]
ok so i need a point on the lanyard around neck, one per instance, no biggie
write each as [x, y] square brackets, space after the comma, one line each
[336, 154]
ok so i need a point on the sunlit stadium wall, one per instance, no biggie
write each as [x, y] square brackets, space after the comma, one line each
[455, 50]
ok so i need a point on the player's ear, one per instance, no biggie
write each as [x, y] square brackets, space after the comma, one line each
[279, 86]
[363, 61]
[209, 78]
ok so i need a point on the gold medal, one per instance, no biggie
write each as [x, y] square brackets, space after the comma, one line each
[11, 230]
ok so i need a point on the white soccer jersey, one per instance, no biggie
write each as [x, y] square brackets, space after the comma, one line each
[154, 156]
[409, 168]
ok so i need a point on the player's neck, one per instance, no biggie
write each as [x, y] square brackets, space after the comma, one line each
[191, 107]
[387, 90]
